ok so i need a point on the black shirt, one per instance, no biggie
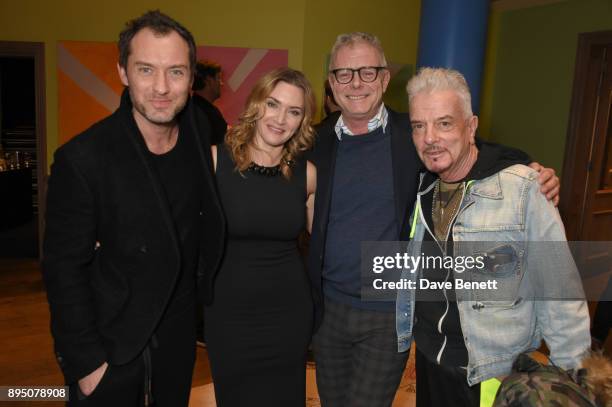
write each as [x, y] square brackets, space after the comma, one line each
[177, 170]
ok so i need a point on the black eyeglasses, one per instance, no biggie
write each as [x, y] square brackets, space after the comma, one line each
[366, 73]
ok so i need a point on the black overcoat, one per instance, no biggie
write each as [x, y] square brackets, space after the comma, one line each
[103, 192]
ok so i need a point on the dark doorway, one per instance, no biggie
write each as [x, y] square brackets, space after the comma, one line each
[22, 142]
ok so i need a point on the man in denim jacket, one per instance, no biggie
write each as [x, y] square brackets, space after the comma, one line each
[482, 194]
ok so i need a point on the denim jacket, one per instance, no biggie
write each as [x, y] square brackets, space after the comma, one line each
[509, 209]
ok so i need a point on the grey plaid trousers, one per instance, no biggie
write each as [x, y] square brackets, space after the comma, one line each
[357, 362]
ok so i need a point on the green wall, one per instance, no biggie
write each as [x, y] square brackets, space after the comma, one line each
[307, 28]
[533, 72]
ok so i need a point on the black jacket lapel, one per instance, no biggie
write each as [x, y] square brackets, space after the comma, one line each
[325, 161]
[405, 165]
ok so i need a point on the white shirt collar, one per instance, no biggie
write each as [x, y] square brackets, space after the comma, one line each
[380, 119]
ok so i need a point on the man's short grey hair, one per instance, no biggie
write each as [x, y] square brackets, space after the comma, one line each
[441, 79]
[350, 39]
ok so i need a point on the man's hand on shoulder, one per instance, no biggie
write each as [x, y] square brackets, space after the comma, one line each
[549, 182]
[89, 383]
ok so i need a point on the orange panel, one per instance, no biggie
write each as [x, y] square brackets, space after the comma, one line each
[77, 110]
[100, 58]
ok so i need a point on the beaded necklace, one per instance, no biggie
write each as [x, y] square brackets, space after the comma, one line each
[266, 171]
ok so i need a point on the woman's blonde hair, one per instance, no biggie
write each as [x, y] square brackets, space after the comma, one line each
[241, 135]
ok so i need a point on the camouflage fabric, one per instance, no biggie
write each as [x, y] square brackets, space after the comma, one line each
[532, 384]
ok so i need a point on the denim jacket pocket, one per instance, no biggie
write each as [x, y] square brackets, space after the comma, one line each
[498, 277]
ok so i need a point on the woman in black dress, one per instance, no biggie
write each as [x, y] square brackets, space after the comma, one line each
[258, 326]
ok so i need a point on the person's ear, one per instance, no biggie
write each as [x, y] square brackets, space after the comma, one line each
[123, 75]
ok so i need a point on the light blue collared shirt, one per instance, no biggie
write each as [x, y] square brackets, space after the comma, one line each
[380, 119]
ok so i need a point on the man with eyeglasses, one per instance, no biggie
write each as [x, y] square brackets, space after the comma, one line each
[367, 169]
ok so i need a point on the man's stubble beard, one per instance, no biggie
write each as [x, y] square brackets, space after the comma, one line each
[141, 108]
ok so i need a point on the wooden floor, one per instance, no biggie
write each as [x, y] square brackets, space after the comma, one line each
[26, 346]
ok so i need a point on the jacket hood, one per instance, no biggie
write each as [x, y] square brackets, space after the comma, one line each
[493, 158]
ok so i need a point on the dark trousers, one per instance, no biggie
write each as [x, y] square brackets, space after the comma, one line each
[443, 386]
[168, 361]
[356, 357]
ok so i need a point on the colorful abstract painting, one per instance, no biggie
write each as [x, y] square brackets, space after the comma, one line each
[89, 87]
[241, 68]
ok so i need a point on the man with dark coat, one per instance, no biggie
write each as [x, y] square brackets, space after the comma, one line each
[366, 179]
[132, 220]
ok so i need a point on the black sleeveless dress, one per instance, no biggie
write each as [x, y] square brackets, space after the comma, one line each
[259, 325]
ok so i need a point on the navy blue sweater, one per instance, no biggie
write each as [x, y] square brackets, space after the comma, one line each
[362, 209]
